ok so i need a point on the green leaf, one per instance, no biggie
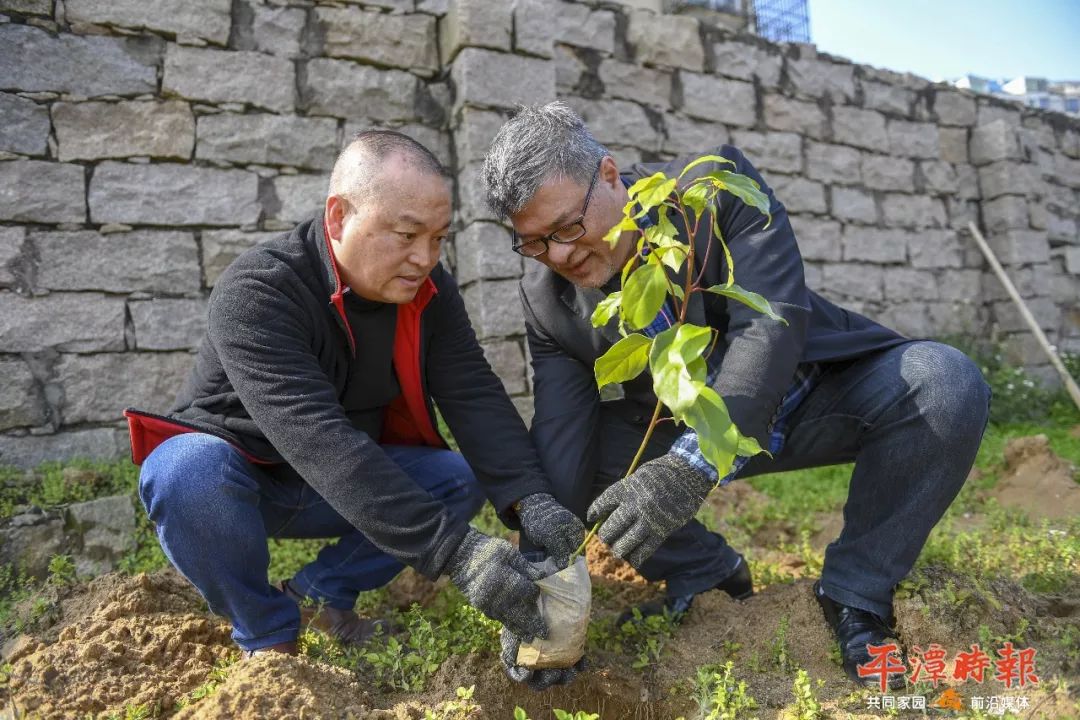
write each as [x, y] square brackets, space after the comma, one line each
[697, 197]
[718, 437]
[746, 189]
[671, 251]
[643, 295]
[727, 252]
[606, 309]
[612, 236]
[748, 447]
[623, 361]
[676, 365]
[520, 714]
[751, 299]
[651, 191]
[705, 159]
[562, 714]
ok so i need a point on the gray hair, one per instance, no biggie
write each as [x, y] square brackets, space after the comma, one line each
[539, 143]
[356, 170]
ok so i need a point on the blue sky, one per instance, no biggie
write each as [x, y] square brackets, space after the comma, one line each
[944, 39]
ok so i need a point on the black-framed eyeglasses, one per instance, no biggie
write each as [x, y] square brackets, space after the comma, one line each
[566, 234]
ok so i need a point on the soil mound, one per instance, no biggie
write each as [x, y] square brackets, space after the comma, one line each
[1038, 481]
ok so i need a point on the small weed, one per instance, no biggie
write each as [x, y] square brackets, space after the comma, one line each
[642, 637]
[61, 570]
[806, 706]
[719, 696]
[781, 654]
[462, 708]
[579, 715]
[214, 679]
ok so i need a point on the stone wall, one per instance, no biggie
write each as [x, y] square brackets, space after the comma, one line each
[145, 144]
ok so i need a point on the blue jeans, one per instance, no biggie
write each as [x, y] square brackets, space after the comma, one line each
[214, 511]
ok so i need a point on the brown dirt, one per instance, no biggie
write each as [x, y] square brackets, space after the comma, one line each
[1037, 481]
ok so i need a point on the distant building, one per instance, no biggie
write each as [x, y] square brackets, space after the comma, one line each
[776, 20]
[1034, 92]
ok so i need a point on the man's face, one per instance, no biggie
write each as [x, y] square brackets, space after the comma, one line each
[588, 261]
[388, 244]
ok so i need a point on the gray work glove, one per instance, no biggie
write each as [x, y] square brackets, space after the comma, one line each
[535, 679]
[498, 580]
[550, 525]
[645, 507]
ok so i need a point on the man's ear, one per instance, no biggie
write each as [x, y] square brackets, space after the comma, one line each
[609, 171]
[335, 217]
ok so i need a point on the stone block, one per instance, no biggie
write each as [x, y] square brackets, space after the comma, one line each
[747, 62]
[804, 118]
[300, 196]
[960, 285]
[1067, 170]
[25, 129]
[267, 139]
[818, 239]
[141, 260]
[885, 172]
[863, 244]
[666, 40]
[494, 308]
[716, 99]
[29, 7]
[967, 182]
[814, 78]
[860, 128]
[1058, 228]
[221, 247]
[1045, 310]
[75, 64]
[104, 531]
[29, 451]
[934, 249]
[97, 388]
[939, 178]
[173, 195]
[907, 318]
[95, 130]
[859, 281]
[954, 145]
[485, 78]
[44, 192]
[483, 253]
[569, 69]
[956, 318]
[168, 323]
[773, 152]
[799, 194]
[1006, 213]
[534, 32]
[1072, 260]
[220, 76]
[854, 205]
[30, 539]
[812, 275]
[205, 19]
[617, 122]
[889, 99]
[993, 142]
[278, 30]
[1016, 247]
[475, 23]
[576, 24]
[67, 322]
[474, 132]
[832, 163]
[628, 81]
[472, 201]
[902, 210]
[508, 362]
[914, 139]
[904, 284]
[405, 41]
[992, 110]
[954, 108]
[22, 402]
[12, 242]
[684, 136]
[1029, 280]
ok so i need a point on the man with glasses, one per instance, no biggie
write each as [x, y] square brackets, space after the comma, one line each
[827, 387]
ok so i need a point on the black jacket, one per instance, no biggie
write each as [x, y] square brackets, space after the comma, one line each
[273, 367]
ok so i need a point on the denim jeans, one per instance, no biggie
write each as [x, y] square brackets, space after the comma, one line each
[214, 511]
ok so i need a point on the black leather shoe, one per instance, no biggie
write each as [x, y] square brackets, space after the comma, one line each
[739, 586]
[854, 630]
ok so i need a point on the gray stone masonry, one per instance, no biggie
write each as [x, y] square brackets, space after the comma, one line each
[145, 146]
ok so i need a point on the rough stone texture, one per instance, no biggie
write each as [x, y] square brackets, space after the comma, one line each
[83, 66]
[668, 40]
[12, 241]
[25, 129]
[787, 115]
[954, 144]
[685, 136]
[223, 76]
[474, 132]
[30, 451]
[1005, 213]
[884, 172]
[911, 139]
[22, 403]
[472, 204]
[817, 78]
[904, 210]
[888, 99]
[494, 308]
[860, 281]
[628, 81]
[68, 322]
[277, 30]
[618, 122]
[799, 194]
[1043, 308]
[104, 531]
[38, 191]
[205, 19]
[861, 128]
[142, 260]
[818, 239]
[483, 252]
[833, 163]
[98, 387]
[993, 142]
[475, 23]
[1015, 247]
[508, 362]
[903, 284]
[775, 152]
[935, 249]
[569, 69]
[965, 285]
[406, 41]
[29, 540]
[172, 195]
[746, 62]
[268, 139]
[578, 25]
[485, 78]
[941, 177]
[301, 196]
[29, 7]
[341, 88]
[534, 32]
[854, 205]
[168, 324]
[94, 130]
[954, 108]
[863, 244]
[221, 247]
[715, 99]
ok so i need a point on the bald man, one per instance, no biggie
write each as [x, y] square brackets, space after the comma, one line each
[309, 413]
